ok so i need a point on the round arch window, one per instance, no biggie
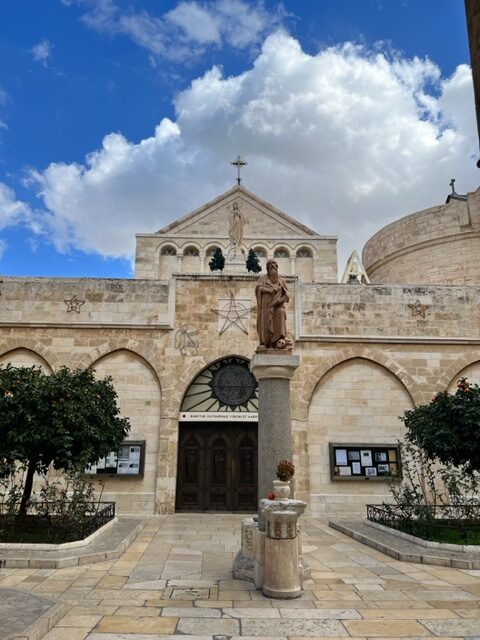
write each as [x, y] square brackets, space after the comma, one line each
[227, 385]
[191, 251]
[281, 253]
[168, 251]
[303, 252]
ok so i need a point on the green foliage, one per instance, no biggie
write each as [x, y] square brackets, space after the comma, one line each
[253, 263]
[426, 484]
[449, 427]
[67, 419]
[217, 262]
[68, 499]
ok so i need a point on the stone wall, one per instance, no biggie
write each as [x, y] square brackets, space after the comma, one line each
[72, 301]
[435, 246]
[366, 355]
[375, 310]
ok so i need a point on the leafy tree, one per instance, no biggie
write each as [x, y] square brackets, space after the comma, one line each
[253, 263]
[449, 427]
[67, 419]
[217, 263]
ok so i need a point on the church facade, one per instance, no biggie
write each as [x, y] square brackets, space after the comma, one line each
[177, 340]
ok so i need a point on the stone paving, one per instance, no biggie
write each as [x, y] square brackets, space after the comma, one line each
[175, 580]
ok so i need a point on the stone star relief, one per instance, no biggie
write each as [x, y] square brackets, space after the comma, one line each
[74, 304]
[418, 309]
[235, 314]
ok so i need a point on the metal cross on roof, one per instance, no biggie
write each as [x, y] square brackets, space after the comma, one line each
[239, 163]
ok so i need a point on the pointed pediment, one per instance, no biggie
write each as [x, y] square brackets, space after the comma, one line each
[259, 218]
[354, 271]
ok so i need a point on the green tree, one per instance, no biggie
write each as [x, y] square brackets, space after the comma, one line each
[253, 263]
[67, 419]
[217, 262]
[448, 428]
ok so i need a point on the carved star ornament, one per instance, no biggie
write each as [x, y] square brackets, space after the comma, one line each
[234, 314]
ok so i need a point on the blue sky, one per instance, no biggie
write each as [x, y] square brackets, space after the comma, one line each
[119, 116]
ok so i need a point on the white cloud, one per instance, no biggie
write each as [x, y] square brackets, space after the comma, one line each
[12, 211]
[339, 140]
[42, 51]
[198, 23]
[185, 32]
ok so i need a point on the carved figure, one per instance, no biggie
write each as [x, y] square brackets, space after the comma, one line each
[235, 231]
[272, 295]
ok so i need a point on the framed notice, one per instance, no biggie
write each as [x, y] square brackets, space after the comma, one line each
[354, 462]
[126, 462]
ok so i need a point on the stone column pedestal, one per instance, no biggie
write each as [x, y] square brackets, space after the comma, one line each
[273, 369]
[282, 577]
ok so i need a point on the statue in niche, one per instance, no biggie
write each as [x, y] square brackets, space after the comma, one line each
[235, 231]
[272, 296]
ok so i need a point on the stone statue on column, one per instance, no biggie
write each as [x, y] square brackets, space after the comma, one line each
[272, 295]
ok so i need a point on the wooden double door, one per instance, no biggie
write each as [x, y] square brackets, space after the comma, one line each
[217, 467]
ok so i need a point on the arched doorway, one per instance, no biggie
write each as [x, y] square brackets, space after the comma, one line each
[217, 452]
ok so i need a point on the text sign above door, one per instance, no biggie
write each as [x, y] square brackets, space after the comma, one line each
[218, 416]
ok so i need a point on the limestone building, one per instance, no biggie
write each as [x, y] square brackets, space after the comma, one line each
[177, 340]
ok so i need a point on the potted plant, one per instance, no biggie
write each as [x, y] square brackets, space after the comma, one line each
[285, 472]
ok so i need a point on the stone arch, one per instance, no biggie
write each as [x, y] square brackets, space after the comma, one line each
[199, 381]
[139, 398]
[166, 260]
[191, 260]
[33, 347]
[168, 250]
[261, 251]
[304, 263]
[375, 356]
[192, 371]
[451, 373]
[23, 357]
[356, 402]
[209, 251]
[471, 372]
[119, 344]
[282, 255]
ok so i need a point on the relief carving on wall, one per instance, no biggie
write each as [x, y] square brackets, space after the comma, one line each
[185, 340]
[74, 304]
[418, 309]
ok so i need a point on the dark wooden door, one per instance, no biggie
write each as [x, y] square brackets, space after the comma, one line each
[217, 467]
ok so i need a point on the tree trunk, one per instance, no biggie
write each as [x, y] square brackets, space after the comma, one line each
[27, 489]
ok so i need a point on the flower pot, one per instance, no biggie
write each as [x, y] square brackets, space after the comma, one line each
[281, 489]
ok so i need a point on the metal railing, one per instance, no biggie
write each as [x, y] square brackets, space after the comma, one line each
[54, 522]
[457, 523]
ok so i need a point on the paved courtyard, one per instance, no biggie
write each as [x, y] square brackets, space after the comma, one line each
[175, 580]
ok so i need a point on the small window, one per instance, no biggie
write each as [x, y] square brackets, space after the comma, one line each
[281, 253]
[191, 251]
[168, 251]
[211, 251]
[304, 253]
[260, 252]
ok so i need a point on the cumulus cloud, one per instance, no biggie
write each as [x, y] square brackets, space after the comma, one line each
[345, 141]
[186, 31]
[12, 211]
[42, 51]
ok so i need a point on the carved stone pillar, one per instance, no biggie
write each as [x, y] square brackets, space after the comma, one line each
[282, 578]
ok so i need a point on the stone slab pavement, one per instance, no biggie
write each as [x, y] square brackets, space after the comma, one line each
[175, 579]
